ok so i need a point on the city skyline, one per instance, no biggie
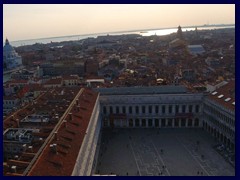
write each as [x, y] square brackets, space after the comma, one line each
[42, 21]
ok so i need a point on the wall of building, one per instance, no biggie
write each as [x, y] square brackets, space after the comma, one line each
[219, 122]
[160, 110]
[85, 160]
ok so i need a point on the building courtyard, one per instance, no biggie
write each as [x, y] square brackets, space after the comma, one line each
[160, 152]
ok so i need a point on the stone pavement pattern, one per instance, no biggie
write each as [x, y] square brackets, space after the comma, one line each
[160, 152]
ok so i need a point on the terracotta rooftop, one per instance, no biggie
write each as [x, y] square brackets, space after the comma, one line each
[70, 135]
[70, 138]
[54, 81]
[225, 95]
[70, 77]
[21, 81]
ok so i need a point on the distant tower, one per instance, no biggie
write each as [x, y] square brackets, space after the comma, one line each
[196, 32]
[179, 33]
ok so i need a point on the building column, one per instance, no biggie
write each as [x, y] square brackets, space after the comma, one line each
[153, 122]
[180, 108]
[180, 122]
[146, 122]
[186, 122]
[160, 122]
[140, 122]
[166, 122]
[193, 122]
[133, 120]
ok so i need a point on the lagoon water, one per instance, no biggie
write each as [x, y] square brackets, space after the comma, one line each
[158, 32]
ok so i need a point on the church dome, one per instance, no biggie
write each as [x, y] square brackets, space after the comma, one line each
[7, 47]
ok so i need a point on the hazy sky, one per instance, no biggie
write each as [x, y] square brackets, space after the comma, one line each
[38, 21]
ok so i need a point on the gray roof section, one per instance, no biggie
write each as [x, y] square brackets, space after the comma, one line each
[168, 89]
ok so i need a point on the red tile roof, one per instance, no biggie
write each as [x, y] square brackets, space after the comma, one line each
[69, 139]
[54, 81]
[228, 91]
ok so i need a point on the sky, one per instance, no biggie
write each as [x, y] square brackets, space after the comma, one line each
[31, 21]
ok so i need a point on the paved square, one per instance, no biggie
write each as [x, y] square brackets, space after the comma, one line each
[160, 152]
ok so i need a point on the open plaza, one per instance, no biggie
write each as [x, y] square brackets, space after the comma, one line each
[160, 152]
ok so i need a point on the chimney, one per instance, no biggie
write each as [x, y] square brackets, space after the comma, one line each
[53, 148]
[24, 147]
[30, 148]
[56, 135]
[16, 157]
[65, 123]
[13, 169]
[18, 124]
[70, 116]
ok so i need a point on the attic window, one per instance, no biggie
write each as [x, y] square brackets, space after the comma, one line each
[214, 93]
[228, 99]
[220, 96]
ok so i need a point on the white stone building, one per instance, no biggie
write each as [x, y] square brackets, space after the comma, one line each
[11, 59]
[155, 107]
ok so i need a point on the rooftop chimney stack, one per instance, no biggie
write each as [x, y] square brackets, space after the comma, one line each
[56, 135]
[13, 169]
[18, 124]
[70, 116]
[30, 148]
[65, 123]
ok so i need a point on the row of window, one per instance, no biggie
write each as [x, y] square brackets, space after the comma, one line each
[8, 102]
[220, 115]
[160, 122]
[151, 109]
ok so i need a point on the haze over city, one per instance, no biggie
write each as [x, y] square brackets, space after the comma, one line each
[39, 21]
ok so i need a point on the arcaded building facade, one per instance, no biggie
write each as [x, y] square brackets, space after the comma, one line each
[151, 107]
[219, 114]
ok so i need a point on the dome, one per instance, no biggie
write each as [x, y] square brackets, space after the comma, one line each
[7, 47]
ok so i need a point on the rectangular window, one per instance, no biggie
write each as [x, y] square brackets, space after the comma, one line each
[156, 109]
[177, 108]
[130, 109]
[143, 122]
[111, 110]
[124, 109]
[163, 109]
[183, 108]
[104, 110]
[137, 122]
[150, 109]
[190, 108]
[143, 109]
[170, 109]
[137, 109]
[117, 110]
[150, 123]
[197, 108]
